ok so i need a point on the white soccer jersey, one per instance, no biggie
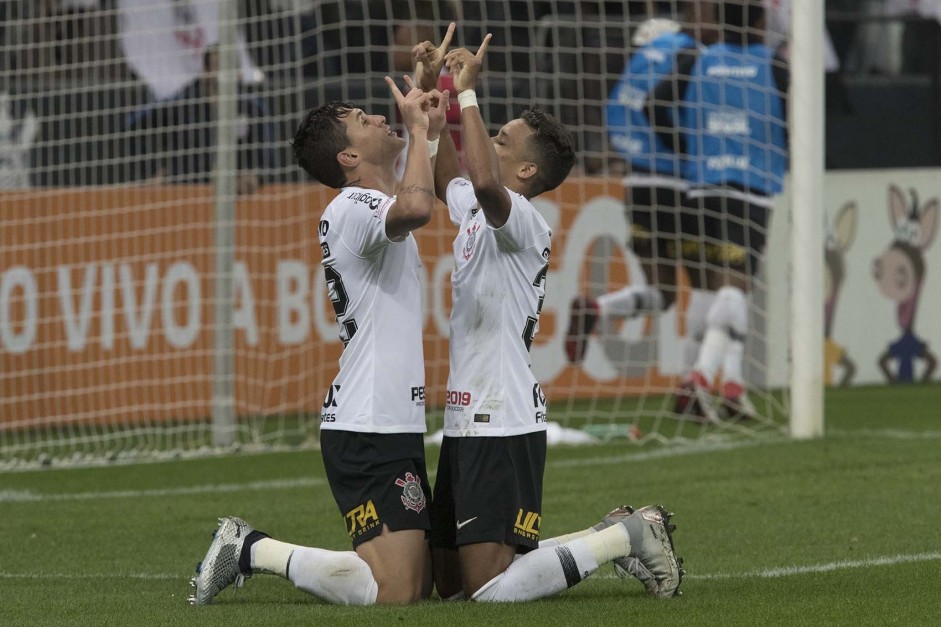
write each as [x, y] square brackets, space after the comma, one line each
[498, 285]
[375, 289]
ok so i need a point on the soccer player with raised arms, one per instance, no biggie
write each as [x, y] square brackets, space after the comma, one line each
[374, 413]
[487, 505]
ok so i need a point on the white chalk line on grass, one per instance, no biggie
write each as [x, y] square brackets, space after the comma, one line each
[770, 573]
[27, 496]
[695, 448]
[786, 571]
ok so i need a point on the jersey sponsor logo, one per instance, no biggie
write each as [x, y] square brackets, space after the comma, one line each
[481, 417]
[361, 519]
[539, 397]
[331, 400]
[325, 249]
[632, 97]
[471, 242]
[459, 398]
[655, 56]
[327, 415]
[413, 497]
[541, 416]
[627, 144]
[727, 123]
[733, 71]
[527, 524]
[418, 395]
[725, 162]
[373, 202]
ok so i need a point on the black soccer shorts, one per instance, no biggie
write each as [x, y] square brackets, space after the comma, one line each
[489, 489]
[663, 224]
[377, 479]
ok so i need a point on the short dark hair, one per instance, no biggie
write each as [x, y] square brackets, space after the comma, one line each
[740, 18]
[320, 137]
[552, 149]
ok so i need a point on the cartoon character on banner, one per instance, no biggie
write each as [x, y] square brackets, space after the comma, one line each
[839, 238]
[900, 273]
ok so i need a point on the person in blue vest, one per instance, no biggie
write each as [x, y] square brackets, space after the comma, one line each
[654, 184]
[724, 111]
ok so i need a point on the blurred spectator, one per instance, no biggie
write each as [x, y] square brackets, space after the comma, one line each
[177, 142]
[579, 56]
[920, 38]
[778, 34]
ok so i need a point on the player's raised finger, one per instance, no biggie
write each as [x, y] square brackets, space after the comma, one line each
[447, 38]
[483, 47]
[443, 102]
[394, 89]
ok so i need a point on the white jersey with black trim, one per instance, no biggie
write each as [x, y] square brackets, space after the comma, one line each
[375, 289]
[498, 286]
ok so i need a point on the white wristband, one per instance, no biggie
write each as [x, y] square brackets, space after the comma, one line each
[467, 98]
[433, 147]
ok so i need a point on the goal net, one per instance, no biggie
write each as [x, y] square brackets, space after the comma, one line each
[160, 284]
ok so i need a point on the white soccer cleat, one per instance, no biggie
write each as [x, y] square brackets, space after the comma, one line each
[220, 568]
[656, 565]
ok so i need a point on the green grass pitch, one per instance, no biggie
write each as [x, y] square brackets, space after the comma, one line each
[845, 530]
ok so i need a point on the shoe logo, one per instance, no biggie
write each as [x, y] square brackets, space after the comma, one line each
[462, 523]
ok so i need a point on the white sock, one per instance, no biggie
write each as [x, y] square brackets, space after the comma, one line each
[547, 571]
[732, 364]
[727, 319]
[633, 300]
[272, 556]
[556, 541]
[711, 353]
[340, 577]
[696, 310]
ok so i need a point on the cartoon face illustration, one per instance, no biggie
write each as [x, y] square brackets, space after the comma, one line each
[900, 275]
[900, 270]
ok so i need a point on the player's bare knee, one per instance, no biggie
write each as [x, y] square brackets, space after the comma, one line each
[398, 590]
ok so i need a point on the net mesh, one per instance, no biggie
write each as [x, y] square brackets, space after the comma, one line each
[109, 227]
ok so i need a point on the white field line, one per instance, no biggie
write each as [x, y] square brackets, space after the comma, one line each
[27, 496]
[786, 571]
[770, 573]
[694, 448]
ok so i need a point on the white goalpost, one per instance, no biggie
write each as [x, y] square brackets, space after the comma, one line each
[807, 271]
[161, 293]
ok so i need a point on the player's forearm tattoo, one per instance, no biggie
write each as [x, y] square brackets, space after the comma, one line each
[416, 189]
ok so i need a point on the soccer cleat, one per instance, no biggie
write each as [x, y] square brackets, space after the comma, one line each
[628, 566]
[582, 318]
[651, 535]
[220, 568]
[694, 399]
[735, 402]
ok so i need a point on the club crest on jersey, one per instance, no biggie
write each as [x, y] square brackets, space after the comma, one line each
[471, 242]
[413, 497]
